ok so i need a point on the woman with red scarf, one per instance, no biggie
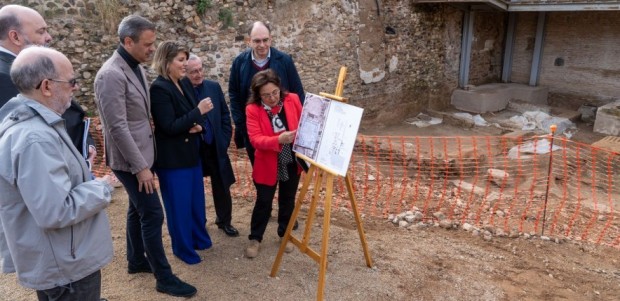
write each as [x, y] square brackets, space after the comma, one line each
[272, 119]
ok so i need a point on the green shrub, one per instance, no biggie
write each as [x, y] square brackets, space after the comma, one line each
[202, 5]
[225, 15]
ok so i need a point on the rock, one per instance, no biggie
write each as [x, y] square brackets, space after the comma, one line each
[446, 224]
[514, 233]
[489, 228]
[391, 216]
[526, 235]
[418, 216]
[395, 220]
[467, 227]
[487, 236]
[439, 215]
[403, 224]
[410, 218]
[545, 238]
[499, 213]
[500, 233]
[498, 176]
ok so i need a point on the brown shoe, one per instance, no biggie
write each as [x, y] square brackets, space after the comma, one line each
[289, 246]
[252, 250]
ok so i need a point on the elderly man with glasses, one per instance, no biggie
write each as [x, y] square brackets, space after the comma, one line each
[259, 57]
[53, 215]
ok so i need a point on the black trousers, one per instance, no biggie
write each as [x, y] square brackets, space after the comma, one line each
[264, 201]
[221, 193]
[85, 289]
[145, 218]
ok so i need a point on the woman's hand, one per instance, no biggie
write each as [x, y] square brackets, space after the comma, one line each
[287, 137]
[205, 106]
[195, 129]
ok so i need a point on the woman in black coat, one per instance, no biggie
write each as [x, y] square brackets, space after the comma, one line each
[178, 133]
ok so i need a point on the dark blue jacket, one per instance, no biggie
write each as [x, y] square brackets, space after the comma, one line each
[239, 86]
[7, 88]
[219, 120]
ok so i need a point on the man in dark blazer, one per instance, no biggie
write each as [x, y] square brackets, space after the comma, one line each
[259, 57]
[20, 27]
[216, 162]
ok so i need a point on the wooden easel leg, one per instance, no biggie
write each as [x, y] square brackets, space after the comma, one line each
[289, 228]
[358, 221]
[311, 212]
[325, 243]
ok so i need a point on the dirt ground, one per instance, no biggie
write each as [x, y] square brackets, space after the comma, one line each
[427, 263]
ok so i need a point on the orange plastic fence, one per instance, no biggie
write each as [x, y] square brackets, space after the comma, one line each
[499, 182]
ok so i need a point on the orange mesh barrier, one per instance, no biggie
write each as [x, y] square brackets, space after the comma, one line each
[496, 183]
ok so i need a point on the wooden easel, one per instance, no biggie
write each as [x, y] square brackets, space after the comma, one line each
[321, 172]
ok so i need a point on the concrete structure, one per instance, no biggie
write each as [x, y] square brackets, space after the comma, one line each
[568, 46]
[608, 119]
[495, 97]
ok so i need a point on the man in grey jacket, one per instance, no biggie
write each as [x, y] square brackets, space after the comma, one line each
[56, 228]
[124, 104]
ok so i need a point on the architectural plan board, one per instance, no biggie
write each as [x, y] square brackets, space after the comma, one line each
[327, 132]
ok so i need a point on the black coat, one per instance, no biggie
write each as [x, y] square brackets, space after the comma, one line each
[174, 114]
[7, 88]
[74, 122]
[219, 120]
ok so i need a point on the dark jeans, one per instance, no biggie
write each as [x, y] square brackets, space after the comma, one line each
[145, 218]
[85, 289]
[221, 193]
[264, 201]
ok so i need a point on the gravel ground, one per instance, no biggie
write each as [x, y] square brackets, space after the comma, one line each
[428, 263]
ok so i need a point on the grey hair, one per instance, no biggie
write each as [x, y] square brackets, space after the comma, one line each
[8, 22]
[193, 57]
[132, 26]
[26, 76]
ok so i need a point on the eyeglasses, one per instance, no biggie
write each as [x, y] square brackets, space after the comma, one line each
[195, 71]
[73, 82]
[274, 94]
[258, 41]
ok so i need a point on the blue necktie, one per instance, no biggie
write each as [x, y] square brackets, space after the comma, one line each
[207, 134]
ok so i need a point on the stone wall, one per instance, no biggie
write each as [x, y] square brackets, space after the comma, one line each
[581, 57]
[401, 58]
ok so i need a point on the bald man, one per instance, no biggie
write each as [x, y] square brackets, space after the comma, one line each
[46, 188]
[258, 57]
[20, 27]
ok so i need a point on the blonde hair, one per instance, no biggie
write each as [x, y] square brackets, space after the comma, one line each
[165, 54]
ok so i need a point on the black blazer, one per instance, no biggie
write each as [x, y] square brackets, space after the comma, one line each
[7, 88]
[219, 120]
[174, 114]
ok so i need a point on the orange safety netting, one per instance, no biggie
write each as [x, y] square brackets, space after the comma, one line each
[513, 185]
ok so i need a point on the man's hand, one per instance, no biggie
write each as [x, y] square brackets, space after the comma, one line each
[145, 179]
[92, 153]
[195, 129]
[205, 106]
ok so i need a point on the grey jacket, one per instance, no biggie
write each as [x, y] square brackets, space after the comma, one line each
[53, 216]
[124, 106]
